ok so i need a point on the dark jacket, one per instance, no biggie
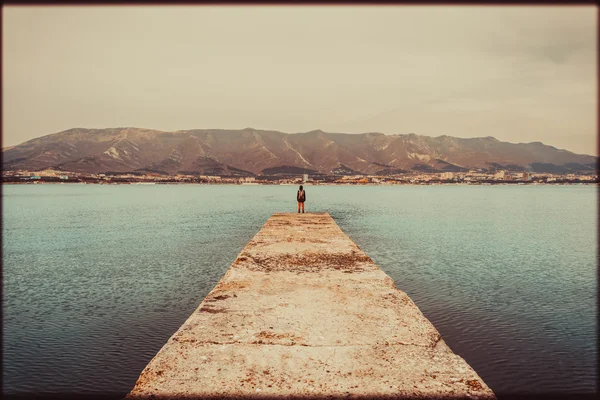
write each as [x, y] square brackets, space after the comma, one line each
[298, 196]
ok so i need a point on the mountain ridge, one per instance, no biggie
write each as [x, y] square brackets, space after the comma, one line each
[251, 151]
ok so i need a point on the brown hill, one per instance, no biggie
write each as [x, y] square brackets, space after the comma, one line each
[250, 151]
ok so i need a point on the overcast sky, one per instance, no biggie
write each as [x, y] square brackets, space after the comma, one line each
[520, 74]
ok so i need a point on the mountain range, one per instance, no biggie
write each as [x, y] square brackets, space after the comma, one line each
[252, 152]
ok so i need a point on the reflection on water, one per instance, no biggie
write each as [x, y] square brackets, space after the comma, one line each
[97, 278]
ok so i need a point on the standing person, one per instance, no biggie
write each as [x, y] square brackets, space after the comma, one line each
[301, 197]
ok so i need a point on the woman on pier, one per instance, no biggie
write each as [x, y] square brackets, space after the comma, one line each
[301, 197]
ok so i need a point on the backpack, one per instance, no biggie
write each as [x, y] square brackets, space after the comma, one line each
[301, 196]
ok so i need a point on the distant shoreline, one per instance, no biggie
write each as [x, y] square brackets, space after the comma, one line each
[312, 184]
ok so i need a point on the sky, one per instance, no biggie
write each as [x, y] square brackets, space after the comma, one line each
[520, 74]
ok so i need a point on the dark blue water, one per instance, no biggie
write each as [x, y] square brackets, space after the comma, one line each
[98, 277]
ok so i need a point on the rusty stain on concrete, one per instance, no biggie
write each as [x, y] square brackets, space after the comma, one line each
[303, 312]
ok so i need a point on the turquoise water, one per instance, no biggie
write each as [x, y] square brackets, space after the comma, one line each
[98, 277]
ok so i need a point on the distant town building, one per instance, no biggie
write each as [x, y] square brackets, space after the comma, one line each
[305, 178]
[499, 175]
[446, 175]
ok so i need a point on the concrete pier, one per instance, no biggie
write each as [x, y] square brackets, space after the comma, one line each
[303, 312]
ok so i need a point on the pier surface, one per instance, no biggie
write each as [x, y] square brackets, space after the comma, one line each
[303, 312]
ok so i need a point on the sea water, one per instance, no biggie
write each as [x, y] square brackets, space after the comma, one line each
[96, 278]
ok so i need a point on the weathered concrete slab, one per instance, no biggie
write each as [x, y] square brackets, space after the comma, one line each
[304, 312]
